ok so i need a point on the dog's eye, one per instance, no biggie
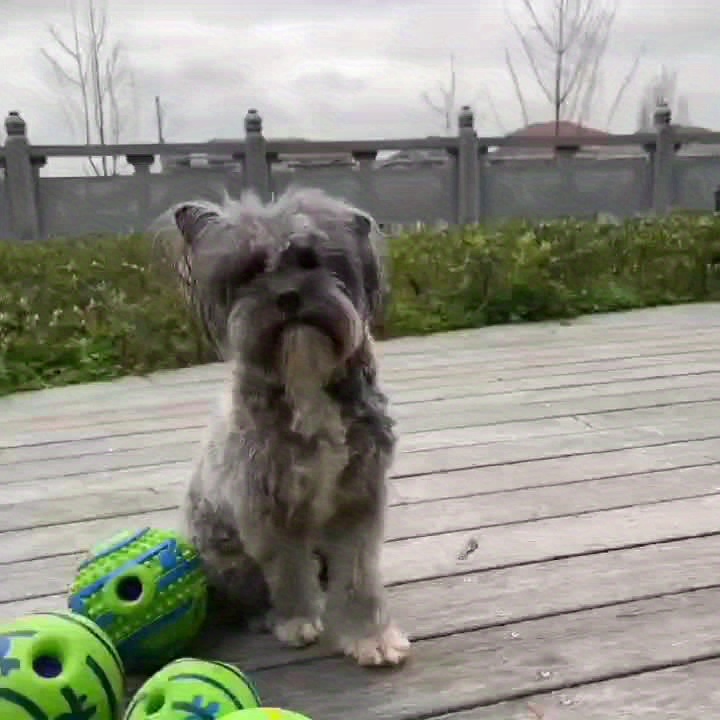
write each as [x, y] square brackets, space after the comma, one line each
[245, 270]
[307, 258]
[343, 287]
[234, 272]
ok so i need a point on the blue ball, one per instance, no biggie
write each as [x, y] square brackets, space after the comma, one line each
[146, 589]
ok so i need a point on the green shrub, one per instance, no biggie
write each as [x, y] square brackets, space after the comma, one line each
[95, 308]
[89, 309]
[534, 271]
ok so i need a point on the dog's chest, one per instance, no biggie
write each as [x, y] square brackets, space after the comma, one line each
[316, 454]
[313, 488]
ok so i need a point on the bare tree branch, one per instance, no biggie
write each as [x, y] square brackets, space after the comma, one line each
[530, 55]
[663, 87]
[537, 25]
[629, 76]
[432, 104]
[564, 48]
[447, 107]
[93, 77]
[493, 109]
[518, 89]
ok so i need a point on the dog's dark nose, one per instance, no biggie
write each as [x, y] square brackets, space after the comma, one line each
[289, 301]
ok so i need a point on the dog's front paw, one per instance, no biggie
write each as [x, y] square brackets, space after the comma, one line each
[298, 632]
[390, 646]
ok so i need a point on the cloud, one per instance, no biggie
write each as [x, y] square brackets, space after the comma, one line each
[334, 69]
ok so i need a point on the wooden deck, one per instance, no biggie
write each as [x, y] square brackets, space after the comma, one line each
[554, 536]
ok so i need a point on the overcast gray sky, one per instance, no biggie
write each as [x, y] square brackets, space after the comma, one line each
[339, 68]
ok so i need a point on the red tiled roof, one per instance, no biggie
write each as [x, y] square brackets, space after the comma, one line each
[564, 129]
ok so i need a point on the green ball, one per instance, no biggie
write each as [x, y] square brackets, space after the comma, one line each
[265, 713]
[58, 665]
[147, 590]
[188, 688]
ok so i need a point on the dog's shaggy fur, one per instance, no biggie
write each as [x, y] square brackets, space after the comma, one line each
[293, 467]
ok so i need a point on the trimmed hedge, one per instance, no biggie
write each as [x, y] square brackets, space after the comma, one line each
[94, 308]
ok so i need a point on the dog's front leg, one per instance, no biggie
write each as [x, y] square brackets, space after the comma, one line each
[356, 613]
[291, 572]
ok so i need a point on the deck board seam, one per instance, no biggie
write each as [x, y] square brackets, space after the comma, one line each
[403, 538]
[448, 712]
[495, 423]
[553, 558]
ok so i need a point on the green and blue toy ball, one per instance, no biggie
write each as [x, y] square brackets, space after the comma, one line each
[190, 689]
[265, 713]
[58, 665]
[146, 589]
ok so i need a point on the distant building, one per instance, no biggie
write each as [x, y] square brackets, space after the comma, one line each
[575, 135]
[408, 159]
[570, 133]
[285, 161]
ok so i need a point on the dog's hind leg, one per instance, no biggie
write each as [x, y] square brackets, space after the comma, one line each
[238, 591]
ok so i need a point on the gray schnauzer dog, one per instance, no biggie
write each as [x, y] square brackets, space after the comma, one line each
[287, 498]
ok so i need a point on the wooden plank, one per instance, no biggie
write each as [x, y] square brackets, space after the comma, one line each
[137, 392]
[409, 463]
[493, 387]
[458, 412]
[528, 657]
[557, 470]
[454, 483]
[130, 479]
[419, 558]
[696, 323]
[481, 362]
[675, 693]
[426, 362]
[450, 412]
[544, 539]
[548, 427]
[485, 375]
[494, 598]
[558, 342]
[76, 523]
[415, 431]
[441, 387]
[456, 458]
[15, 458]
[408, 442]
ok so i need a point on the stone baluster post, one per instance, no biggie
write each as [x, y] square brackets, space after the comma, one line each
[256, 169]
[468, 176]
[20, 178]
[141, 174]
[663, 160]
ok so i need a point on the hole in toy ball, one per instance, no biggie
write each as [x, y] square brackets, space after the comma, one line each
[130, 589]
[47, 666]
[154, 703]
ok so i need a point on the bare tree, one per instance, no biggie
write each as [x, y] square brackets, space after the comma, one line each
[447, 106]
[565, 48]
[160, 119]
[663, 86]
[490, 101]
[94, 79]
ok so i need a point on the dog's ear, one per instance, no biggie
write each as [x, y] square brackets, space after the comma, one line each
[372, 273]
[192, 218]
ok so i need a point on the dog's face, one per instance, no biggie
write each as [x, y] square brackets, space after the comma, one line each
[298, 278]
[303, 287]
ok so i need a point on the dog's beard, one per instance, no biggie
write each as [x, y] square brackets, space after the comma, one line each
[308, 361]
